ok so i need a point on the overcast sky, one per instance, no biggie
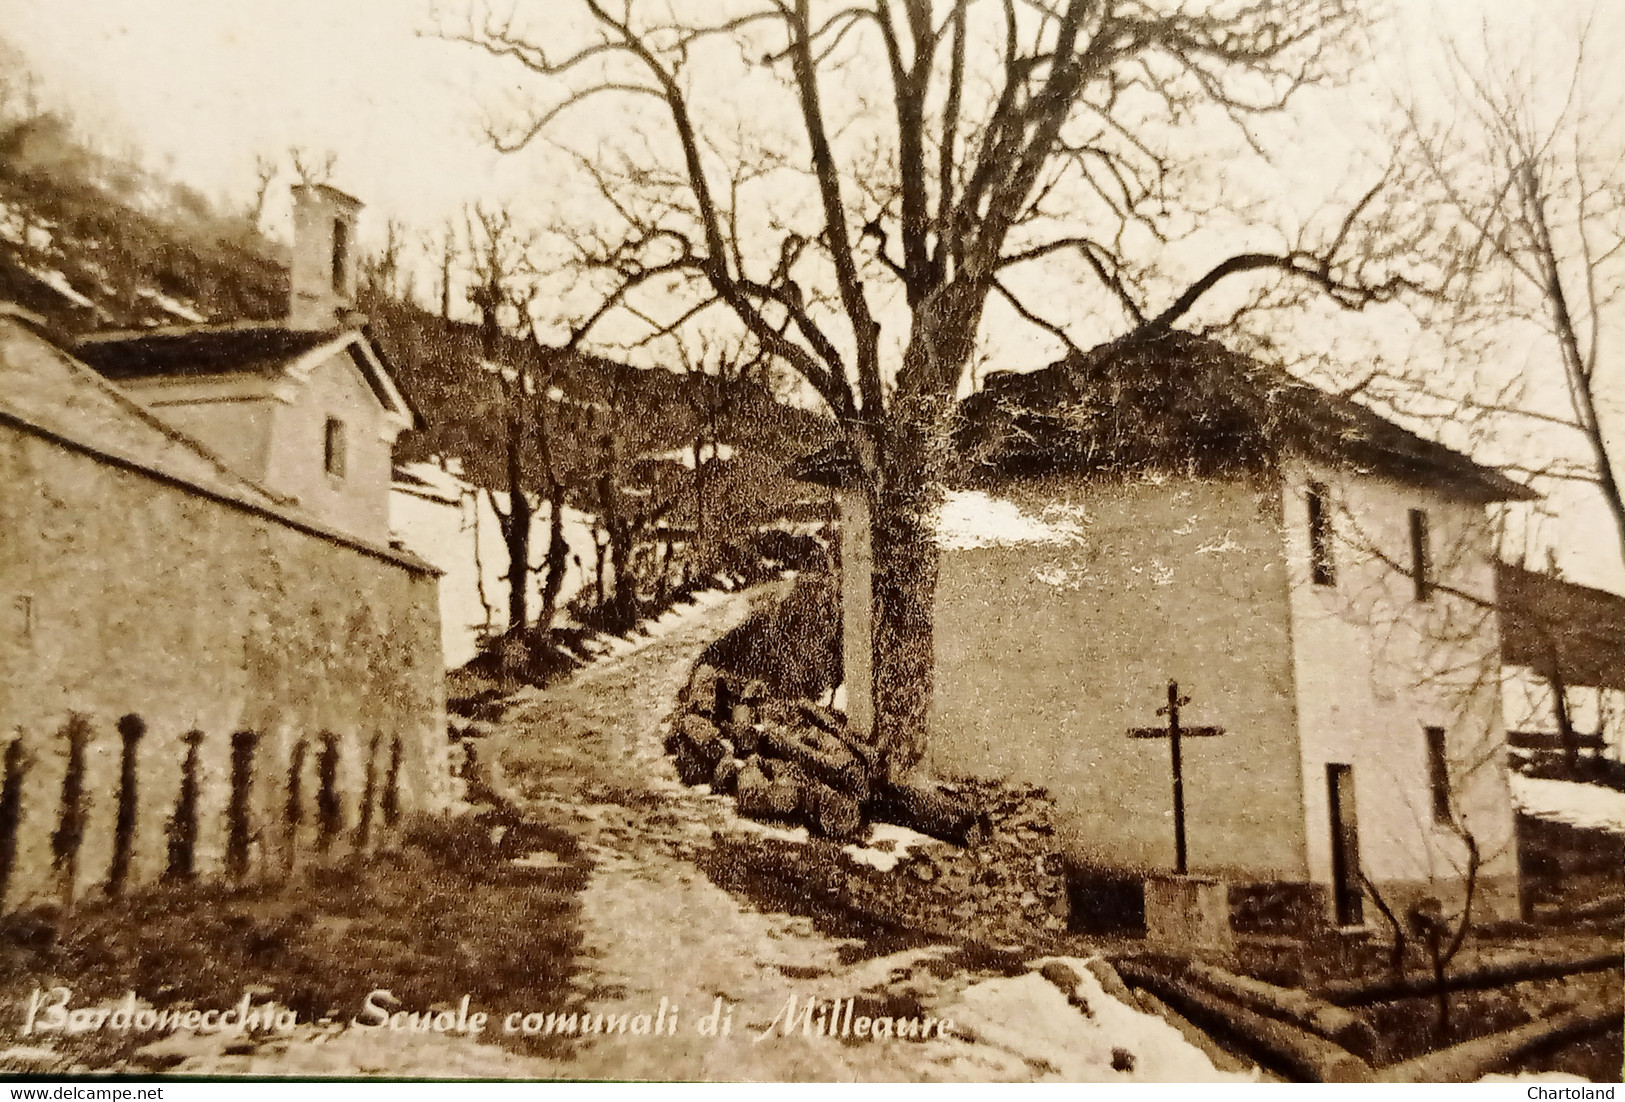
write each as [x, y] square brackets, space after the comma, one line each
[199, 87]
[205, 85]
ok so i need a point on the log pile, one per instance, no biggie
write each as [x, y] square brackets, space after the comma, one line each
[794, 762]
[782, 761]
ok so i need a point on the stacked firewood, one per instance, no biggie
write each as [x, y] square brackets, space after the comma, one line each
[794, 761]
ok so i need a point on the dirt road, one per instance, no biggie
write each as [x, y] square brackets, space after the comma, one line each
[659, 938]
[587, 755]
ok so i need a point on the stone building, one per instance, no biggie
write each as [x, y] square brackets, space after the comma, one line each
[214, 662]
[304, 406]
[1318, 581]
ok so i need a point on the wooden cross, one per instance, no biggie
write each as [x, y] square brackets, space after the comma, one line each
[1173, 733]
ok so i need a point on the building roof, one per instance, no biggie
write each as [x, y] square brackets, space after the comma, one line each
[835, 466]
[52, 392]
[263, 348]
[333, 194]
[1545, 619]
[1174, 400]
[260, 348]
[49, 394]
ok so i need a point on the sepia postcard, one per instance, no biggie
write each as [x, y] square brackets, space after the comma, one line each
[778, 540]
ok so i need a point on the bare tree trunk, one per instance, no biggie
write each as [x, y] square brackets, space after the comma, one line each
[598, 567]
[448, 257]
[516, 530]
[1560, 707]
[479, 563]
[905, 579]
[1396, 956]
[622, 602]
[699, 491]
[663, 571]
[1579, 368]
[558, 553]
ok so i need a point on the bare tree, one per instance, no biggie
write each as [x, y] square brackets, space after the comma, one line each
[1534, 180]
[935, 148]
[384, 273]
[441, 249]
[714, 399]
[502, 287]
[312, 166]
[266, 171]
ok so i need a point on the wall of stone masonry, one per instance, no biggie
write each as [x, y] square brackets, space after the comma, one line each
[1004, 888]
[280, 693]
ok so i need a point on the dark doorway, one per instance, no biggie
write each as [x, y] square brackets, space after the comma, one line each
[1346, 887]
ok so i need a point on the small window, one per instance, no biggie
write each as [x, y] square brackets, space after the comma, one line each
[341, 253]
[333, 448]
[1419, 555]
[1438, 774]
[1320, 537]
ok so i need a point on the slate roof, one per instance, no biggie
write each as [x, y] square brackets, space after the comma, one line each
[45, 389]
[1177, 401]
[262, 348]
[223, 350]
[47, 393]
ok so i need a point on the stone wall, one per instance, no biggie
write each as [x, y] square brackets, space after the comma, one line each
[1063, 608]
[192, 687]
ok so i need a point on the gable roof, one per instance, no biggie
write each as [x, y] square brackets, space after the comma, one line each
[49, 394]
[1174, 400]
[44, 389]
[260, 348]
[1545, 619]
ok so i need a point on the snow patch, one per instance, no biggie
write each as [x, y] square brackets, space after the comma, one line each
[685, 456]
[1220, 546]
[1533, 1077]
[1029, 1016]
[174, 306]
[1581, 805]
[541, 859]
[887, 844]
[59, 283]
[456, 529]
[798, 834]
[972, 519]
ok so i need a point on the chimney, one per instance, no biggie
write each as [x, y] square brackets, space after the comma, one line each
[322, 281]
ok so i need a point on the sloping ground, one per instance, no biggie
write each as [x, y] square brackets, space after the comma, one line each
[632, 926]
[586, 756]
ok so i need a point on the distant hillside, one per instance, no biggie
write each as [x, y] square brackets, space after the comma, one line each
[645, 423]
[90, 241]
